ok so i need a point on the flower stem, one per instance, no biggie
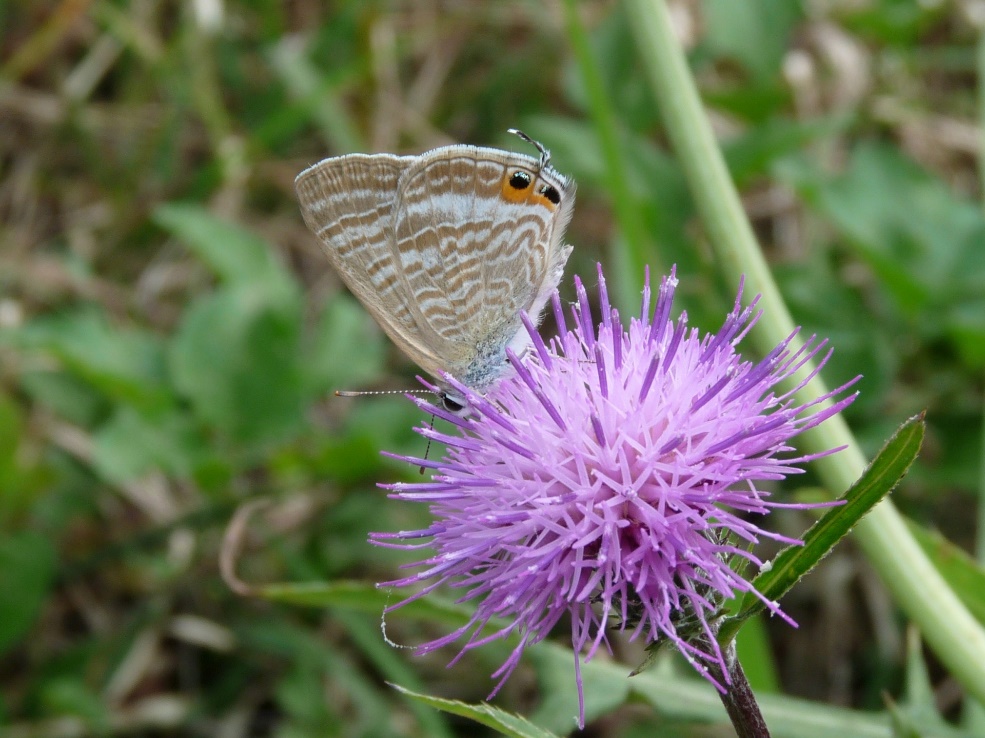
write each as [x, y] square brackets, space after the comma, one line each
[951, 631]
[739, 701]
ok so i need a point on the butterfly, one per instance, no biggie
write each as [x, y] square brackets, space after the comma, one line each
[445, 249]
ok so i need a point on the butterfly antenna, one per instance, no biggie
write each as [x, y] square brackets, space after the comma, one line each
[545, 155]
[428, 449]
[361, 393]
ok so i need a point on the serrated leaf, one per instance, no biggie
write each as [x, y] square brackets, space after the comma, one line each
[794, 562]
[506, 723]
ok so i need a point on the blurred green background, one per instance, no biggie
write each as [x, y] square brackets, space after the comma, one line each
[170, 333]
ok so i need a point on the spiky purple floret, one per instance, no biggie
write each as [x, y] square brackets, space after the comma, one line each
[610, 479]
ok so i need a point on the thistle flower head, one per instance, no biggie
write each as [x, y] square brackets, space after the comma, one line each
[614, 478]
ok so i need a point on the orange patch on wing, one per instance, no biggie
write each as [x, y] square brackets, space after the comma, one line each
[528, 194]
[539, 199]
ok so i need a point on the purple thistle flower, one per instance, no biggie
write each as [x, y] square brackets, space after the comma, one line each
[611, 479]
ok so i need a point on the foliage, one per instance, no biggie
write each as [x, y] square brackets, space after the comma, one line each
[170, 337]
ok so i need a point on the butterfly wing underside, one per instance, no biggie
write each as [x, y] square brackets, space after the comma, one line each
[473, 258]
[348, 202]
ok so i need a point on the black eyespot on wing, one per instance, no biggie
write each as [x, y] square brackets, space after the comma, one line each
[520, 180]
[551, 193]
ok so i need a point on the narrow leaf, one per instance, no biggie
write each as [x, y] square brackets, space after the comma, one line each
[793, 562]
[506, 723]
[367, 598]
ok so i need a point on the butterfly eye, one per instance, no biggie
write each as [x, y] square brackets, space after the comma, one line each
[551, 193]
[452, 404]
[520, 180]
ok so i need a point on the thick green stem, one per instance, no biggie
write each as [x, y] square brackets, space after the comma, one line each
[954, 635]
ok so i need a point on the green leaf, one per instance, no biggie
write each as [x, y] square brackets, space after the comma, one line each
[237, 256]
[484, 714]
[11, 427]
[607, 684]
[966, 328]
[365, 597]
[316, 88]
[237, 358]
[897, 22]
[131, 444]
[603, 690]
[27, 570]
[687, 698]
[348, 351]
[364, 634]
[965, 576]
[300, 694]
[794, 562]
[124, 364]
[72, 696]
[754, 32]
[23, 480]
[752, 645]
[750, 154]
[823, 303]
[918, 716]
[66, 395]
[927, 255]
[919, 686]
[691, 699]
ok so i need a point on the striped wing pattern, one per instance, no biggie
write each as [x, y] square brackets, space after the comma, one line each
[472, 259]
[441, 259]
[348, 202]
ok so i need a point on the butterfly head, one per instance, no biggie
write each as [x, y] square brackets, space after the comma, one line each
[454, 403]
